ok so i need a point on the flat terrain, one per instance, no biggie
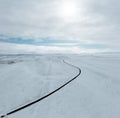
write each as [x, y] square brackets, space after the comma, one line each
[94, 94]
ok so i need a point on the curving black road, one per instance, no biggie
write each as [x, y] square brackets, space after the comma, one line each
[38, 100]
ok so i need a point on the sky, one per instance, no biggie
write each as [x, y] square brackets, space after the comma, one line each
[59, 26]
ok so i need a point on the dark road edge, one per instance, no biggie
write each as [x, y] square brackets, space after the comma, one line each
[49, 94]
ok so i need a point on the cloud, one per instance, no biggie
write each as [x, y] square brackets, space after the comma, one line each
[95, 22]
[9, 48]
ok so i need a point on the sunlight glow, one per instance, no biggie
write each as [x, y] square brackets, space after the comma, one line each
[68, 10]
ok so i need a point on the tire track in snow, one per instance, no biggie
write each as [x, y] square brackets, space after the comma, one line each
[49, 94]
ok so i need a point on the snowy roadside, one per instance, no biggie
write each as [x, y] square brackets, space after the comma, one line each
[30, 78]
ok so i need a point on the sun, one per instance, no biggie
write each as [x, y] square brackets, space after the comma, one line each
[68, 10]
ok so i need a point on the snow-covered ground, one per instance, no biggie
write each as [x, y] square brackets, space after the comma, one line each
[94, 94]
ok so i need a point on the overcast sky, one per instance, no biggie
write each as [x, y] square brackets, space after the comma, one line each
[59, 26]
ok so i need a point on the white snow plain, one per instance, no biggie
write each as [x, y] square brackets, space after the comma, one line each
[94, 94]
